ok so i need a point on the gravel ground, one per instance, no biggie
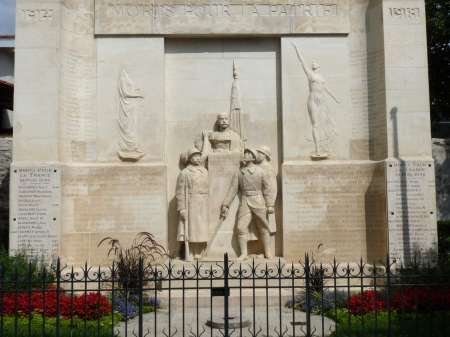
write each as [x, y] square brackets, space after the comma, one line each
[319, 327]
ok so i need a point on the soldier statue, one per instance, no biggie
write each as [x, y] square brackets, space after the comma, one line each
[192, 202]
[263, 159]
[257, 200]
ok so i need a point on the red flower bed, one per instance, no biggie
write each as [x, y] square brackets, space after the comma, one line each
[421, 299]
[365, 302]
[408, 299]
[89, 306]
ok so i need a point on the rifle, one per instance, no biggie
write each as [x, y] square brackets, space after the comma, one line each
[187, 255]
[216, 231]
[271, 222]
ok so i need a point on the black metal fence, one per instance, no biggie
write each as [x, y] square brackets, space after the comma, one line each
[251, 298]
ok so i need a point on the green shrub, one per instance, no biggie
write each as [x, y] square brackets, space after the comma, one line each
[25, 270]
[77, 328]
[444, 243]
[144, 250]
[320, 302]
[402, 324]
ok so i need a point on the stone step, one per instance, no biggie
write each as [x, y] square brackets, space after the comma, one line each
[247, 298]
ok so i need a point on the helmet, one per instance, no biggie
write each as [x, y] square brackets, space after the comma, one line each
[265, 150]
[191, 152]
[252, 151]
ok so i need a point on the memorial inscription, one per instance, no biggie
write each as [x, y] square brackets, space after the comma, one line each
[194, 17]
[221, 9]
[309, 201]
[35, 210]
[411, 208]
[335, 200]
[132, 198]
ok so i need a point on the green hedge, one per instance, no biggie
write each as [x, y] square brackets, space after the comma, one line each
[402, 324]
[23, 269]
[444, 242]
[76, 328]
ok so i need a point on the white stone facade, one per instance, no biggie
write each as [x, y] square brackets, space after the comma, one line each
[372, 55]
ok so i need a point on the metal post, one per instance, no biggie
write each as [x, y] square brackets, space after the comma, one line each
[307, 296]
[388, 294]
[227, 293]
[141, 302]
[58, 297]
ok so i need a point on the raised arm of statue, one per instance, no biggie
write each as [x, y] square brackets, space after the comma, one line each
[206, 147]
[307, 71]
[328, 90]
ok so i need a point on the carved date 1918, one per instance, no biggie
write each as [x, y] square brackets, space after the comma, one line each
[404, 12]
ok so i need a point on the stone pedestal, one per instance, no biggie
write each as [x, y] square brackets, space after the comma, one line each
[116, 201]
[222, 167]
[334, 208]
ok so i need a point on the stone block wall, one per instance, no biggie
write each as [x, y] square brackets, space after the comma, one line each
[70, 184]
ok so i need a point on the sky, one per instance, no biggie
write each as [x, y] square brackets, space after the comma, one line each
[7, 17]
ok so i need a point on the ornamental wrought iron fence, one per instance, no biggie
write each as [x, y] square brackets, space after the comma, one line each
[226, 298]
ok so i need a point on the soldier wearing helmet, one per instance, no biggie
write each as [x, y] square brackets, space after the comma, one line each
[192, 200]
[263, 159]
[257, 198]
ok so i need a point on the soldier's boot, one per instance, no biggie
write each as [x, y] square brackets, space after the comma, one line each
[266, 245]
[242, 241]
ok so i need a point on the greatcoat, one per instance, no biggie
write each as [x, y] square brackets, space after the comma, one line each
[192, 195]
[256, 192]
[271, 177]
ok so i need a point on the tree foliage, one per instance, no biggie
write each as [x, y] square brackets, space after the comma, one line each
[438, 26]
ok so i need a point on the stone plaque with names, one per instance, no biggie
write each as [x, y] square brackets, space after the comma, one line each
[411, 209]
[35, 210]
[221, 17]
[339, 201]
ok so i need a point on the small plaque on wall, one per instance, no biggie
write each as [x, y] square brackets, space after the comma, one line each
[35, 210]
[411, 209]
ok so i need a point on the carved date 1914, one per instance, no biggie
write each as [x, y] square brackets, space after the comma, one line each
[38, 15]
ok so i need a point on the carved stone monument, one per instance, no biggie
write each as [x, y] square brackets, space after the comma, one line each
[223, 161]
[193, 204]
[128, 142]
[257, 200]
[129, 85]
[322, 126]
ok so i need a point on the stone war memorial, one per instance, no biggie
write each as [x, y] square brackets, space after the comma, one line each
[262, 128]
